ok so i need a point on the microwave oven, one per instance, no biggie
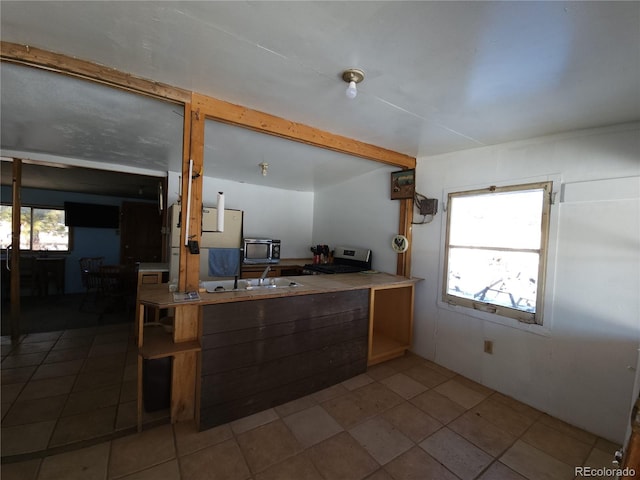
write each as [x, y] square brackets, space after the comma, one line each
[261, 250]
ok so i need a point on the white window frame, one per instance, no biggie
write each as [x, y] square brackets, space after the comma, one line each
[543, 323]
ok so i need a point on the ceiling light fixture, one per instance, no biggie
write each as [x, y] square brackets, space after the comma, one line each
[263, 167]
[352, 76]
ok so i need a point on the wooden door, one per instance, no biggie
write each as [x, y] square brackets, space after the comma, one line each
[140, 233]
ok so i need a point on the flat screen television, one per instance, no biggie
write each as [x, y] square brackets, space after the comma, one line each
[91, 215]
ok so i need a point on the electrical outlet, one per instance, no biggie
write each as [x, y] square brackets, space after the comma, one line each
[488, 347]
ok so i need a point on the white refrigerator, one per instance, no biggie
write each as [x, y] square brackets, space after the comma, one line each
[211, 243]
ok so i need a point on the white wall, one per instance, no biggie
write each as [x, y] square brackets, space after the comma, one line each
[580, 365]
[359, 213]
[275, 213]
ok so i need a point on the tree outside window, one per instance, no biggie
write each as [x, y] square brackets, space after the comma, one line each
[41, 229]
[496, 244]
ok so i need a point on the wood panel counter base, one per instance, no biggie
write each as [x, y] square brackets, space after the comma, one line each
[263, 353]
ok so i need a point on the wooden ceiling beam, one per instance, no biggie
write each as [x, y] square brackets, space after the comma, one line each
[56, 62]
[233, 114]
[213, 108]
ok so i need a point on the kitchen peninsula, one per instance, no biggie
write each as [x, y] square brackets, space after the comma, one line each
[239, 352]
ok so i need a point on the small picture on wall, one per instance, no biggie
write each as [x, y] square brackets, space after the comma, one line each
[403, 184]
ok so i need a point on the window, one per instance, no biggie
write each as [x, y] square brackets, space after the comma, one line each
[40, 228]
[495, 255]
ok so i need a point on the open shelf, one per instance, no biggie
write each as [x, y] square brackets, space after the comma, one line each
[384, 348]
[391, 323]
[159, 344]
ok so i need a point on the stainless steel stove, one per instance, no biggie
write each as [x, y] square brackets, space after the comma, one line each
[345, 260]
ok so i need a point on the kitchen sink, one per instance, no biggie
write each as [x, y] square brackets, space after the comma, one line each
[219, 286]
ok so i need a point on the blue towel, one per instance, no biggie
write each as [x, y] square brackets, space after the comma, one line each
[224, 262]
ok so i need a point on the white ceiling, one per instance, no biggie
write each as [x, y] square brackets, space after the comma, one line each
[440, 77]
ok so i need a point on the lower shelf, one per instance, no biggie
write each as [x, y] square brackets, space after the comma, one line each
[385, 348]
[158, 344]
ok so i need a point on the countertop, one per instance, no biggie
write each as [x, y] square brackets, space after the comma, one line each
[159, 295]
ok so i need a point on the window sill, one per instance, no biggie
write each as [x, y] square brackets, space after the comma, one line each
[535, 329]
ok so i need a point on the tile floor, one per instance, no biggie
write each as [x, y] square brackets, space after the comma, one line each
[68, 396]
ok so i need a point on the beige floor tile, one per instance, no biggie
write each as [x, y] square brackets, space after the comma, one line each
[253, 421]
[377, 398]
[312, 425]
[439, 368]
[457, 454]
[75, 342]
[598, 459]
[84, 464]
[535, 464]
[403, 385]
[405, 362]
[329, 393]
[65, 355]
[478, 387]
[165, 471]
[347, 410]
[503, 417]
[88, 400]
[59, 369]
[140, 451]
[606, 446]
[48, 387]
[223, 461]
[17, 361]
[380, 475]
[42, 337]
[516, 405]
[4, 408]
[459, 393]
[36, 410]
[120, 337]
[31, 437]
[78, 332]
[341, 457]
[381, 439]
[380, 371]
[105, 362]
[189, 439]
[84, 426]
[557, 444]
[107, 349]
[411, 421]
[357, 381]
[9, 393]
[25, 348]
[438, 406]
[295, 406]
[416, 464]
[267, 445]
[91, 380]
[482, 433]
[17, 375]
[127, 415]
[129, 391]
[425, 375]
[567, 429]
[499, 471]
[299, 467]
[27, 470]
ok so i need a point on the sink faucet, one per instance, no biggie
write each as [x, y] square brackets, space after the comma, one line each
[264, 274]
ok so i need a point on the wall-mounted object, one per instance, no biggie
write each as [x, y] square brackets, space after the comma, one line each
[403, 184]
[399, 243]
[91, 215]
